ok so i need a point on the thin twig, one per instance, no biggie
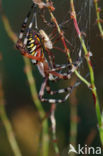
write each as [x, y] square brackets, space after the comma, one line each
[87, 56]
[7, 124]
[32, 85]
[65, 46]
[73, 117]
[99, 20]
[53, 125]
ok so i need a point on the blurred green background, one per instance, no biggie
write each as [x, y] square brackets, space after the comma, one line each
[20, 108]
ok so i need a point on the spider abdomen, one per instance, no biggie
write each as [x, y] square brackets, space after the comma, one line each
[34, 45]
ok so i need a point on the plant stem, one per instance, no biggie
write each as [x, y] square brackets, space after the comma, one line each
[66, 48]
[98, 18]
[73, 117]
[53, 125]
[7, 125]
[87, 56]
[32, 86]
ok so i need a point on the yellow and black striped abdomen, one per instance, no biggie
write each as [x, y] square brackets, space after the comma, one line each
[33, 43]
[34, 46]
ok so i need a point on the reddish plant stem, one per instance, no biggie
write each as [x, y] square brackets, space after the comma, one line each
[87, 56]
[99, 20]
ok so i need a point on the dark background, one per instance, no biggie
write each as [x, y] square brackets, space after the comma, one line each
[19, 105]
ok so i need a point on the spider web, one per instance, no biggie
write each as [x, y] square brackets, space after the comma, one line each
[83, 12]
[85, 21]
[84, 18]
[62, 13]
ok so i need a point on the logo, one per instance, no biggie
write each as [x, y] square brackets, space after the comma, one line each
[84, 150]
[72, 149]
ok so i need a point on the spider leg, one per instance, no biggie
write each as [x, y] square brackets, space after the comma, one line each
[57, 48]
[19, 44]
[61, 67]
[71, 68]
[52, 33]
[51, 24]
[56, 40]
[64, 75]
[32, 57]
[68, 89]
[51, 58]
[30, 25]
[42, 89]
[56, 100]
[42, 15]
[64, 66]
[51, 92]
[25, 23]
